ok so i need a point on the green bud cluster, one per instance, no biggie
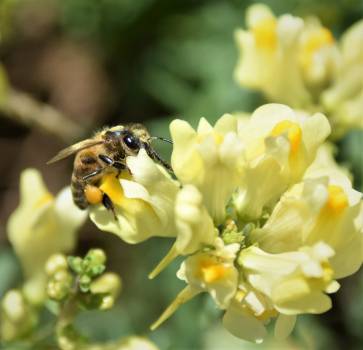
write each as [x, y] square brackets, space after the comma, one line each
[83, 279]
[231, 233]
[91, 266]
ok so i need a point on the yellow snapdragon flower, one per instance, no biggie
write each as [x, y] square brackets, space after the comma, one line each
[41, 226]
[302, 52]
[194, 224]
[279, 145]
[144, 202]
[208, 158]
[344, 98]
[295, 282]
[298, 62]
[194, 227]
[250, 312]
[212, 271]
[318, 209]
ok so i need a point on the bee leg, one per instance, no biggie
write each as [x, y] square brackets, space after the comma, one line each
[110, 162]
[94, 173]
[107, 202]
[119, 166]
[106, 159]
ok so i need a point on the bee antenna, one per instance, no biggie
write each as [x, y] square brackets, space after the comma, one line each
[160, 138]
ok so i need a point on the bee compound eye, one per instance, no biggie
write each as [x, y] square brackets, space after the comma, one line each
[131, 141]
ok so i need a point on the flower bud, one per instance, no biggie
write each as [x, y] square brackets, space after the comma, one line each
[107, 302]
[55, 263]
[60, 285]
[94, 262]
[14, 305]
[96, 256]
[109, 283]
[231, 234]
[75, 264]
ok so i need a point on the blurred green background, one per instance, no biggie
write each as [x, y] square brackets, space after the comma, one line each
[107, 62]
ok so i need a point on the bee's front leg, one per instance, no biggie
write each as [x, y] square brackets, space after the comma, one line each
[119, 166]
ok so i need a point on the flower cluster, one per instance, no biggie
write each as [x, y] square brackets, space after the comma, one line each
[266, 219]
[318, 72]
[41, 229]
[44, 223]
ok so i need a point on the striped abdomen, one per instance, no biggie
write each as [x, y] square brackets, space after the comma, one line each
[84, 164]
[77, 188]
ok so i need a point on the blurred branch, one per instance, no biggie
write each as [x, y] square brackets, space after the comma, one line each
[24, 109]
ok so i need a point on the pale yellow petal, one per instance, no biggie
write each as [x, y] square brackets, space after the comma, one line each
[227, 123]
[204, 126]
[243, 325]
[284, 326]
[313, 303]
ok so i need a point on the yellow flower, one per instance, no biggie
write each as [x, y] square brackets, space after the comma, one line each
[284, 56]
[212, 271]
[210, 159]
[41, 226]
[248, 314]
[344, 98]
[194, 226]
[318, 54]
[298, 62]
[279, 145]
[295, 282]
[290, 222]
[144, 203]
[325, 164]
[323, 208]
[17, 317]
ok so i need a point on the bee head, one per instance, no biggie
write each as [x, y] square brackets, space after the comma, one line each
[132, 138]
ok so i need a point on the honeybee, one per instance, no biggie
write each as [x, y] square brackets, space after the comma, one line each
[105, 153]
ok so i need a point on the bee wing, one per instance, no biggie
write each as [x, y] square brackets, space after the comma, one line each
[66, 152]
